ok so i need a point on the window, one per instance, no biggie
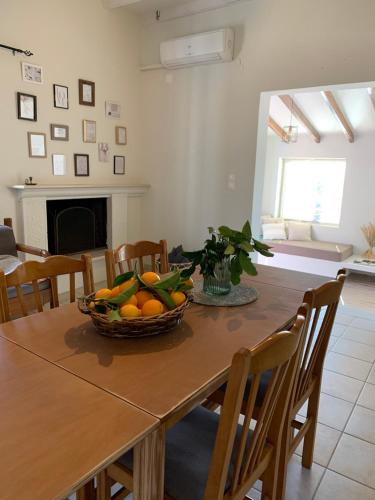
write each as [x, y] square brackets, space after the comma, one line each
[312, 189]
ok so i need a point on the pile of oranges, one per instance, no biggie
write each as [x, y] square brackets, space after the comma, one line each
[144, 302]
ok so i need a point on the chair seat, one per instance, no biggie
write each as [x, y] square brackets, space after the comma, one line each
[189, 448]
[27, 288]
[8, 263]
[264, 381]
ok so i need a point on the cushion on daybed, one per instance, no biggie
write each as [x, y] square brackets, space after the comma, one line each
[7, 241]
[323, 250]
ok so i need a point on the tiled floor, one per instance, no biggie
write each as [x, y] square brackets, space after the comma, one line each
[344, 458]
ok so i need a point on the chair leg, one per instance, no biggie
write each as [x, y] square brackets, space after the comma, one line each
[269, 480]
[103, 489]
[282, 467]
[309, 439]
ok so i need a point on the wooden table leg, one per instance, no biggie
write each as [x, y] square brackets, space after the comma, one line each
[87, 492]
[148, 467]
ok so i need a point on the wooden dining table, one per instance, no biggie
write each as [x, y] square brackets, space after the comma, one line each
[56, 430]
[167, 375]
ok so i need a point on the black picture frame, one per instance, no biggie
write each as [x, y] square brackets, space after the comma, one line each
[118, 169]
[81, 93]
[56, 86]
[77, 172]
[19, 107]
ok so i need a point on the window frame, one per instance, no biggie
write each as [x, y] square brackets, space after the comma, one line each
[280, 184]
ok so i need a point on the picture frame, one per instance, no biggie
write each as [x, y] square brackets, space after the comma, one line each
[58, 164]
[86, 92]
[103, 150]
[60, 96]
[89, 130]
[59, 132]
[26, 107]
[112, 109]
[37, 144]
[121, 135]
[119, 165]
[32, 73]
[81, 165]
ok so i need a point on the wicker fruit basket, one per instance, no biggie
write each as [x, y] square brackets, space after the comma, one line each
[134, 327]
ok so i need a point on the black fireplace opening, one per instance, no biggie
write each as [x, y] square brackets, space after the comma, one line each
[76, 225]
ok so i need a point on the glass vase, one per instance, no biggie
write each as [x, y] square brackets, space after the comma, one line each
[219, 284]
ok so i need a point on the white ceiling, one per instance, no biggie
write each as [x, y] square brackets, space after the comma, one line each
[169, 9]
[355, 103]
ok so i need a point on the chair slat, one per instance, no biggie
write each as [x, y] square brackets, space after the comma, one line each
[37, 296]
[72, 287]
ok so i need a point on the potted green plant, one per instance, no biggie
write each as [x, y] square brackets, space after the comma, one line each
[224, 257]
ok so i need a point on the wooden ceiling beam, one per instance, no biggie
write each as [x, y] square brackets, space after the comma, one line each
[299, 114]
[275, 127]
[336, 110]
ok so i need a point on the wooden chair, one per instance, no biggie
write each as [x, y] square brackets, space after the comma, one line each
[10, 249]
[29, 273]
[129, 257]
[323, 303]
[210, 456]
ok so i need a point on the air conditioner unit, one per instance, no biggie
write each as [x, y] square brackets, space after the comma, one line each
[201, 48]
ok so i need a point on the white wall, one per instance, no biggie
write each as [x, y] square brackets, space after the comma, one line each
[71, 39]
[358, 205]
[202, 126]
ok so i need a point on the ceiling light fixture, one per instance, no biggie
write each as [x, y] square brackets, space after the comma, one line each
[290, 134]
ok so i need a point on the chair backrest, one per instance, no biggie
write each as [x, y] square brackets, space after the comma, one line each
[323, 302]
[31, 272]
[7, 241]
[130, 257]
[251, 450]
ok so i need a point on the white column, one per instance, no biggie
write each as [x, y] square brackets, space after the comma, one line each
[34, 216]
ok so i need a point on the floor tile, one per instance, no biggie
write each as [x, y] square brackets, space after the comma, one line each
[337, 487]
[371, 377]
[343, 319]
[355, 459]
[341, 386]
[355, 350]
[367, 397]
[325, 443]
[346, 365]
[338, 330]
[359, 335]
[362, 424]
[332, 342]
[333, 412]
[365, 324]
[302, 483]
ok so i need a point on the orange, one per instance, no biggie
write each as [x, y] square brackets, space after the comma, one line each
[127, 284]
[165, 308]
[150, 278]
[152, 308]
[178, 298]
[91, 306]
[189, 282]
[103, 293]
[115, 291]
[132, 300]
[130, 311]
[143, 296]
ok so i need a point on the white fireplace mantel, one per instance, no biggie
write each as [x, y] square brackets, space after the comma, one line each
[33, 207]
[66, 191]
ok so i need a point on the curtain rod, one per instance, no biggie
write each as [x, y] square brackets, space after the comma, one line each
[14, 50]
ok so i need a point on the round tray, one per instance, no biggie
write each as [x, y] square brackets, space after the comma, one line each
[135, 327]
[238, 296]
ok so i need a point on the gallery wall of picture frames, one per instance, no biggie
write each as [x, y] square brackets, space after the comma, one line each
[27, 109]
